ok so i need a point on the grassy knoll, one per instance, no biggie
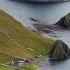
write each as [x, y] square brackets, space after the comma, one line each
[18, 42]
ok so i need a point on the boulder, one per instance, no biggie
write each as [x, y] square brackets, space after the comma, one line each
[59, 51]
[64, 22]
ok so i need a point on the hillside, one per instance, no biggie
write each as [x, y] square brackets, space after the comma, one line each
[16, 41]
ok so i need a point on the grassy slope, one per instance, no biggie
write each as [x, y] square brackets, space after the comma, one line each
[5, 68]
[19, 42]
[6, 58]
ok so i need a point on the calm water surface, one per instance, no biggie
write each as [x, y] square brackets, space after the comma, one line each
[45, 12]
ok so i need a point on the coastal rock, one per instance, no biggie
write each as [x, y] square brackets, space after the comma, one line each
[60, 51]
[64, 22]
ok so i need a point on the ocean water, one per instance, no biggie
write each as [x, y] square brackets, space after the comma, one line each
[50, 13]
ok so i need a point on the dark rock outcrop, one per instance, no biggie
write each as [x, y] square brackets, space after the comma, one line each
[64, 22]
[60, 51]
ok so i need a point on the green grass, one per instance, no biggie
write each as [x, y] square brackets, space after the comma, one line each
[27, 67]
[2, 67]
[31, 67]
[5, 68]
[6, 58]
[16, 41]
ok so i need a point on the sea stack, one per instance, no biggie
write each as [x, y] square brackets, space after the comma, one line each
[60, 51]
[64, 22]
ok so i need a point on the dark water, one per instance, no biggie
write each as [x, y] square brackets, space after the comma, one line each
[45, 12]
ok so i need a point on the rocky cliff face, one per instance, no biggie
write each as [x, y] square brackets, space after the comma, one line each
[64, 22]
[59, 51]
